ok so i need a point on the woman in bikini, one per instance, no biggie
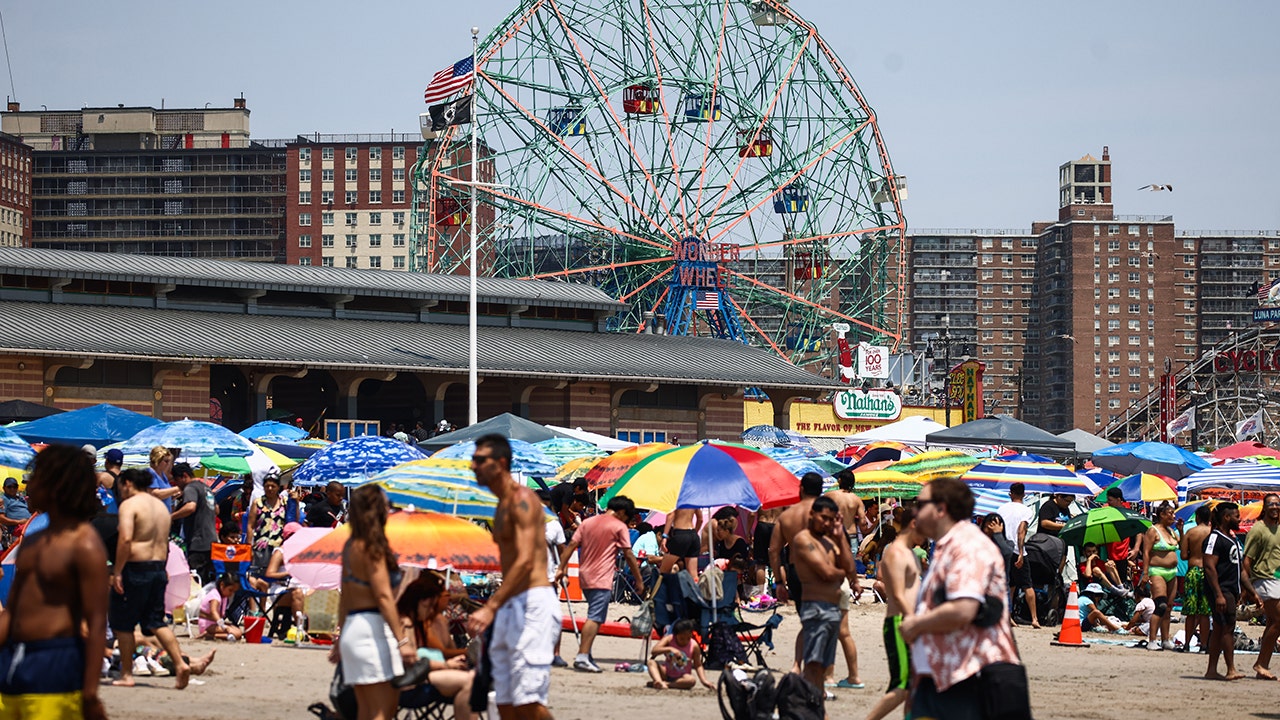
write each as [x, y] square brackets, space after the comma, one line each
[374, 647]
[1160, 568]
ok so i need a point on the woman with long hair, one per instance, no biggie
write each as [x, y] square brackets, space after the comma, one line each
[420, 605]
[373, 647]
[1160, 568]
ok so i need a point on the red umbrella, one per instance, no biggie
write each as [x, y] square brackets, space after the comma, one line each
[1244, 449]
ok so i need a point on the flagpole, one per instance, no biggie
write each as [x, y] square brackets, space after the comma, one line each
[473, 381]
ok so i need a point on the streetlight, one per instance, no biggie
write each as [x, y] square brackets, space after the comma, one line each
[946, 340]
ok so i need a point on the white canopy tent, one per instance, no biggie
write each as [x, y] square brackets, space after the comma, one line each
[604, 442]
[910, 430]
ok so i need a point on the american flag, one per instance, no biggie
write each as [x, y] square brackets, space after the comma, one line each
[449, 80]
[707, 301]
[1264, 289]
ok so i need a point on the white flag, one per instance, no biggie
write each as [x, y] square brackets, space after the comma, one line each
[873, 361]
[1185, 421]
[1249, 427]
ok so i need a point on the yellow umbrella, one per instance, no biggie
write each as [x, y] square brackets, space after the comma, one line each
[573, 470]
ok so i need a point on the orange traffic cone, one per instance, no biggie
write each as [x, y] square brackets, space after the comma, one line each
[1069, 635]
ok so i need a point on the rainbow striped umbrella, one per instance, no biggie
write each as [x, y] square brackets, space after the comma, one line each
[707, 474]
[1144, 487]
[607, 470]
[1039, 474]
[573, 470]
[935, 463]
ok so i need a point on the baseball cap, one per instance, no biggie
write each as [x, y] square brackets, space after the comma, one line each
[115, 456]
[291, 528]
[11, 482]
[1094, 588]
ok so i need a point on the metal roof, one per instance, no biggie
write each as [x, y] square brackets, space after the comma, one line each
[295, 278]
[191, 336]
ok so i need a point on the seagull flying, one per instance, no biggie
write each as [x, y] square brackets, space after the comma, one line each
[1157, 188]
[1066, 337]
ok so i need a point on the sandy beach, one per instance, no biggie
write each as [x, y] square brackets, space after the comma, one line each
[1100, 681]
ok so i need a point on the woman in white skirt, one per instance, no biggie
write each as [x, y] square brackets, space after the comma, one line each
[373, 646]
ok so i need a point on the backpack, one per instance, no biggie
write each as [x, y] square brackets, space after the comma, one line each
[747, 697]
[798, 700]
[723, 647]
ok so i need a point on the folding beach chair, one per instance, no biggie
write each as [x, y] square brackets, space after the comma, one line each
[236, 560]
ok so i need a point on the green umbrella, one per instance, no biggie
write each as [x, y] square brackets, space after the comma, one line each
[1103, 525]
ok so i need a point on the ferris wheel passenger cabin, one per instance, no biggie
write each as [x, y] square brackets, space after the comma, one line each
[793, 198]
[699, 108]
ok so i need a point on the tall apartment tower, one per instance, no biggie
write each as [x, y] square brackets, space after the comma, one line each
[1114, 304]
[154, 181]
[15, 191]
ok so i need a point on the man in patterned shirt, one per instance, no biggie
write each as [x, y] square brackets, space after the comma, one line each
[948, 647]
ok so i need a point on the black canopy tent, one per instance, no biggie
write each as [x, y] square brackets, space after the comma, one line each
[1000, 430]
[22, 410]
[506, 424]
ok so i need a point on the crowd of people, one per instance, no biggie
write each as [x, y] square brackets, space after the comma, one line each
[94, 576]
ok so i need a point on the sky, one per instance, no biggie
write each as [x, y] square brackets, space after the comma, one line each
[978, 102]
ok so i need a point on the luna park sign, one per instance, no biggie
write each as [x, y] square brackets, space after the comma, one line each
[867, 405]
[1247, 361]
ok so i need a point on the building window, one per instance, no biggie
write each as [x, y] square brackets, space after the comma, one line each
[397, 196]
[352, 240]
[326, 262]
[350, 197]
[326, 241]
[304, 176]
[351, 262]
[326, 218]
[304, 219]
[375, 153]
[350, 175]
[397, 262]
[304, 241]
[375, 241]
[326, 197]
[304, 261]
[304, 154]
[351, 154]
[351, 218]
[375, 218]
[1113, 245]
[375, 262]
[397, 174]
[1113, 229]
[397, 240]
[326, 153]
[304, 197]
[397, 153]
[375, 175]
[375, 197]
[1133, 246]
[326, 175]
[397, 217]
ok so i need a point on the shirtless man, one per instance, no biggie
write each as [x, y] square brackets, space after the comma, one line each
[138, 578]
[900, 575]
[47, 667]
[1196, 604]
[787, 584]
[524, 611]
[821, 555]
[855, 521]
[680, 541]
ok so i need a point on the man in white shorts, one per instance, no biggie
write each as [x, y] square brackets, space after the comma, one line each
[1262, 565]
[524, 612]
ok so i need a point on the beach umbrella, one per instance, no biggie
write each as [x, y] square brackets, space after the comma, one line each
[763, 436]
[707, 474]
[1103, 525]
[178, 589]
[526, 458]
[97, 425]
[573, 470]
[262, 458]
[288, 449]
[885, 483]
[1262, 474]
[317, 443]
[274, 429]
[1143, 487]
[935, 463]
[799, 462]
[354, 460]
[1244, 449]
[1037, 473]
[443, 485]
[1150, 457]
[988, 500]
[14, 451]
[561, 450]
[194, 437]
[607, 470]
[1186, 511]
[426, 540]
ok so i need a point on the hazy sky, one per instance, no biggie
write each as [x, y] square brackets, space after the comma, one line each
[979, 102]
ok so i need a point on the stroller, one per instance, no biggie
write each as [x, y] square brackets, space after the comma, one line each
[1045, 554]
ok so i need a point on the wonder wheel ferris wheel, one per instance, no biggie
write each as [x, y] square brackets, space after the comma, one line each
[708, 162]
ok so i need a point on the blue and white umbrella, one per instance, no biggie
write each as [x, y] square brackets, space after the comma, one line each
[271, 429]
[800, 460]
[561, 450]
[14, 451]
[195, 438]
[771, 436]
[354, 461]
[526, 458]
[1239, 475]
[1156, 458]
[1037, 474]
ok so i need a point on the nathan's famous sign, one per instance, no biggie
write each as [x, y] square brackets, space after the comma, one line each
[867, 405]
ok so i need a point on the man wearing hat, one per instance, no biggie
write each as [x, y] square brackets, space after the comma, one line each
[15, 512]
[112, 461]
[1091, 618]
[197, 511]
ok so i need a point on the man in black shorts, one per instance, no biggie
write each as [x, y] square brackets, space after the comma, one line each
[1222, 583]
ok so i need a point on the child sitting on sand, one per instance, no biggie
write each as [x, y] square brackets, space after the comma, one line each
[681, 659]
[213, 625]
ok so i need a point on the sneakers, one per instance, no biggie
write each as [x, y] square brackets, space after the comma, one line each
[583, 663]
[140, 666]
[1154, 646]
[1167, 645]
[558, 661]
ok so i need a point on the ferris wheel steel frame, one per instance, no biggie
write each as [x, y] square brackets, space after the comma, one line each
[576, 185]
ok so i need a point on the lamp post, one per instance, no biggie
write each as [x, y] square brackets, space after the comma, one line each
[946, 341]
